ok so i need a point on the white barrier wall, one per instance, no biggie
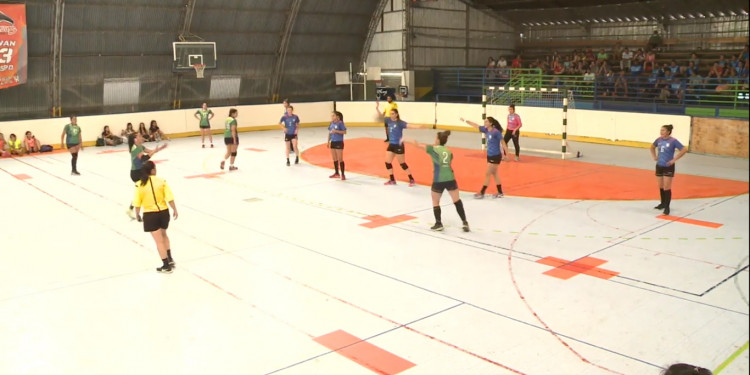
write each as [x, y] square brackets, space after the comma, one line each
[594, 126]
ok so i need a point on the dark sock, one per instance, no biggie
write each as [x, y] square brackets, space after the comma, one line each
[484, 188]
[411, 178]
[661, 194]
[392, 179]
[436, 211]
[74, 162]
[169, 254]
[342, 167]
[667, 198]
[460, 210]
[499, 189]
[165, 261]
[336, 166]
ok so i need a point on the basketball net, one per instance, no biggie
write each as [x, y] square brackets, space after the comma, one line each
[199, 68]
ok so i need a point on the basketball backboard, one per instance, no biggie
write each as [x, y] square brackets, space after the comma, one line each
[187, 54]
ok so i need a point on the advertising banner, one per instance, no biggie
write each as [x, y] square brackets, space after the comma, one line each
[13, 47]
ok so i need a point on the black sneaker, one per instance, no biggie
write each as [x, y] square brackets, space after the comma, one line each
[438, 227]
[466, 226]
[659, 207]
[666, 210]
[75, 173]
[164, 269]
[296, 161]
[287, 162]
[171, 262]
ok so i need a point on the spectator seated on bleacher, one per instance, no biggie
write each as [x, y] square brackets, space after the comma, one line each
[636, 68]
[694, 87]
[695, 60]
[743, 56]
[602, 56]
[674, 67]
[654, 42]
[649, 63]
[621, 85]
[625, 57]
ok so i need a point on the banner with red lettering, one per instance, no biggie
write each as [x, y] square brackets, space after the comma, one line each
[13, 48]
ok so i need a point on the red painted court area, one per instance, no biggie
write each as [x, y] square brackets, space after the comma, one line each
[537, 177]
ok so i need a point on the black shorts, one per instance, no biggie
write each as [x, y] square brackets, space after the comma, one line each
[153, 221]
[494, 159]
[135, 175]
[229, 141]
[396, 149]
[438, 187]
[71, 145]
[204, 126]
[337, 145]
[665, 171]
[289, 137]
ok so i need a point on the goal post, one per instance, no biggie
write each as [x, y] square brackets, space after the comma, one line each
[535, 97]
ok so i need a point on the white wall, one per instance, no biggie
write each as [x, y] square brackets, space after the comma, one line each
[599, 125]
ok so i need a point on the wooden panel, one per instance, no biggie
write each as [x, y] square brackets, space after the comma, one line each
[724, 137]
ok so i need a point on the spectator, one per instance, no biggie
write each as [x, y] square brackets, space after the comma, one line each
[722, 62]
[490, 69]
[590, 55]
[155, 133]
[674, 67]
[31, 143]
[714, 72]
[649, 63]
[654, 42]
[743, 56]
[625, 57]
[636, 68]
[144, 132]
[695, 60]
[602, 56]
[694, 86]
[14, 145]
[502, 68]
[128, 131]
[734, 64]
[621, 85]
[588, 75]
[617, 52]
[4, 147]
[517, 62]
[109, 138]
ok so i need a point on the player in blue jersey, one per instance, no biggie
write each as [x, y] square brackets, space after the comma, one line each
[396, 128]
[496, 148]
[663, 152]
[285, 103]
[336, 131]
[290, 125]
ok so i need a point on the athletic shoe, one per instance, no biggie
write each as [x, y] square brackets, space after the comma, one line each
[343, 178]
[221, 165]
[287, 163]
[75, 173]
[478, 196]
[517, 159]
[659, 207]
[171, 262]
[131, 213]
[233, 168]
[666, 210]
[335, 175]
[203, 146]
[412, 183]
[296, 160]
[438, 227]
[499, 195]
[390, 182]
[466, 226]
[164, 269]
[212, 145]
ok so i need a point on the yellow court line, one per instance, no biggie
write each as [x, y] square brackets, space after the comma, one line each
[731, 358]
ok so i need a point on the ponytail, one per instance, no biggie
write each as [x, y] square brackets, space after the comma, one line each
[146, 170]
[495, 124]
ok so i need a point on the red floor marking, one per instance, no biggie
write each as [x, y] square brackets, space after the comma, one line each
[110, 151]
[690, 221]
[255, 149]
[22, 176]
[374, 358]
[207, 175]
[565, 269]
[159, 161]
[379, 221]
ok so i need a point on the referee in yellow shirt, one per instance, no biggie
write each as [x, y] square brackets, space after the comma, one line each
[391, 105]
[153, 194]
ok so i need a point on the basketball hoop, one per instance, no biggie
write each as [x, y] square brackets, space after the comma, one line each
[199, 68]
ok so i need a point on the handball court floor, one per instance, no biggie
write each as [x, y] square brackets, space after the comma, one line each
[281, 270]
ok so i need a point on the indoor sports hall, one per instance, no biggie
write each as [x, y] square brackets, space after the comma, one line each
[283, 266]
